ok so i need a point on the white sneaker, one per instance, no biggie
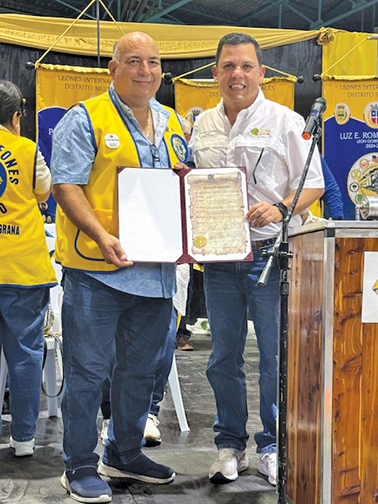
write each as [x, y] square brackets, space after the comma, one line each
[201, 326]
[22, 448]
[268, 467]
[229, 464]
[104, 430]
[152, 434]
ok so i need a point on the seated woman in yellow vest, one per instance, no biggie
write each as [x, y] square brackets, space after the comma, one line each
[26, 272]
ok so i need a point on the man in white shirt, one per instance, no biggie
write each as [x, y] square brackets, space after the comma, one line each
[247, 130]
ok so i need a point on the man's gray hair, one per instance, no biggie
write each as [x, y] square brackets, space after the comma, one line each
[116, 52]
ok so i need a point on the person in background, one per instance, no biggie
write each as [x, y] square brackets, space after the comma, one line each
[332, 199]
[245, 129]
[186, 128]
[183, 335]
[26, 272]
[107, 299]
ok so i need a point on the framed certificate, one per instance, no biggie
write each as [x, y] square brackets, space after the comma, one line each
[190, 215]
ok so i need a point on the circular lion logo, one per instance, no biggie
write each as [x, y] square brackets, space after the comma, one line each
[180, 147]
[3, 179]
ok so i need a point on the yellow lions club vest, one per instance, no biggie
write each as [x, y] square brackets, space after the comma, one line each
[74, 248]
[24, 257]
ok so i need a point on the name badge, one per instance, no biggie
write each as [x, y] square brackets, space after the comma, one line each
[112, 141]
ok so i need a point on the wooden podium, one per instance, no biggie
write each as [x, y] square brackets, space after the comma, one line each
[332, 410]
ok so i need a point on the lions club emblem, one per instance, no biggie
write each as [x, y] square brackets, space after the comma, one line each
[3, 179]
[180, 147]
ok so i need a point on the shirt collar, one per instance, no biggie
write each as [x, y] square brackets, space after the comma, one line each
[154, 104]
[245, 112]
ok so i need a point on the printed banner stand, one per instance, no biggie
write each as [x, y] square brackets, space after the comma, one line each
[58, 88]
[351, 138]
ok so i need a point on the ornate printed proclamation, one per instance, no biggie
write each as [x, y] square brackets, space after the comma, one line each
[216, 204]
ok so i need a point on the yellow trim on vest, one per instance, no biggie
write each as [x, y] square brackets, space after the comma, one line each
[24, 257]
[74, 248]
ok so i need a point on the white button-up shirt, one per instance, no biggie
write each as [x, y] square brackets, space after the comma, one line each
[266, 138]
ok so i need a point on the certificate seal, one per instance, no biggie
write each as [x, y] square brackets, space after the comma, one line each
[200, 241]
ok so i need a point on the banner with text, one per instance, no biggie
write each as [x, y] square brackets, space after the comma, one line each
[58, 88]
[193, 96]
[351, 138]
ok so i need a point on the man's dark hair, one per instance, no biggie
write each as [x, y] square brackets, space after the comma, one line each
[237, 39]
[11, 101]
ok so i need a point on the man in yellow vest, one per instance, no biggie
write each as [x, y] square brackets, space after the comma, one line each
[106, 296]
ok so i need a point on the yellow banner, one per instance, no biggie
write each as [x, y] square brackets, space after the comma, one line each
[349, 54]
[193, 96]
[351, 138]
[62, 86]
[58, 88]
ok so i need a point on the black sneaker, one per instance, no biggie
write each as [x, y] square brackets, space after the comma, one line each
[142, 469]
[85, 485]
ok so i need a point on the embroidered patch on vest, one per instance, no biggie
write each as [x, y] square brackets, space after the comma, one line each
[180, 147]
[3, 179]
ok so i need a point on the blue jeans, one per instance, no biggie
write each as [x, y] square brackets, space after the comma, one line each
[231, 289]
[162, 372]
[22, 314]
[93, 317]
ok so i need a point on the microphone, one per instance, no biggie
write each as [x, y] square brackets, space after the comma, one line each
[314, 118]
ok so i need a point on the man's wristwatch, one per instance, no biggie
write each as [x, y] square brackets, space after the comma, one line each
[282, 208]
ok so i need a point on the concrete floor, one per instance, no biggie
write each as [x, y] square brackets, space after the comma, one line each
[36, 479]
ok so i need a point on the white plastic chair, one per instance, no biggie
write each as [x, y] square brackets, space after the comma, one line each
[174, 385]
[3, 377]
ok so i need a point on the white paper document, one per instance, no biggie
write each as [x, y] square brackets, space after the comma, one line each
[184, 215]
[149, 211]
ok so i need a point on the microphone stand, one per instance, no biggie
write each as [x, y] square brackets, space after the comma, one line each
[280, 252]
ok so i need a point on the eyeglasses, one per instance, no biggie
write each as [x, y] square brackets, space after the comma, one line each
[155, 155]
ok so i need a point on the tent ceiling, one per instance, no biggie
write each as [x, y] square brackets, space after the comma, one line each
[351, 15]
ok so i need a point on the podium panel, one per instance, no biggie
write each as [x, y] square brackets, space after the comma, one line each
[332, 409]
